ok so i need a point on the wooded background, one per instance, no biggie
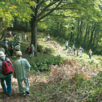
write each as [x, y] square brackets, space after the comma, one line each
[78, 21]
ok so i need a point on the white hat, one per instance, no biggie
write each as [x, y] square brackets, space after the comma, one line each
[17, 47]
[2, 49]
[2, 54]
[19, 53]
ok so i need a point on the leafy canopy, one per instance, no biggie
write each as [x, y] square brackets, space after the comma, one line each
[9, 9]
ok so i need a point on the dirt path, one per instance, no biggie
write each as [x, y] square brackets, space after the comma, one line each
[58, 48]
[15, 97]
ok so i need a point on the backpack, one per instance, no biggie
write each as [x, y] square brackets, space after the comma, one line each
[30, 49]
[11, 47]
[7, 68]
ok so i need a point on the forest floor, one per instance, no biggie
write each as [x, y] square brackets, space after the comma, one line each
[69, 65]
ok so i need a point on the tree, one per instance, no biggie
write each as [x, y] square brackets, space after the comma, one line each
[44, 8]
[11, 9]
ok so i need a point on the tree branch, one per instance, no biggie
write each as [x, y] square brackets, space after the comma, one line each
[42, 12]
[40, 5]
[50, 11]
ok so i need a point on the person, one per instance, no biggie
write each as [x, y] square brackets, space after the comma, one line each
[20, 37]
[25, 37]
[90, 53]
[21, 72]
[6, 48]
[18, 43]
[81, 51]
[2, 49]
[74, 49]
[66, 44]
[5, 41]
[15, 37]
[69, 51]
[48, 37]
[17, 48]
[32, 49]
[77, 52]
[6, 88]
[11, 49]
[10, 32]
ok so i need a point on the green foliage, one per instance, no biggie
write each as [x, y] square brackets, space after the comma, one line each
[43, 61]
[43, 49]
[10, 10]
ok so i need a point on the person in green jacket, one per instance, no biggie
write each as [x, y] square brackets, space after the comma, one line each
[21, 72]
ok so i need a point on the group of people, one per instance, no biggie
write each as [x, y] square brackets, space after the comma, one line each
[21, 68]
[26, 37]
[10, 49]
[19, 37]
[76, 51]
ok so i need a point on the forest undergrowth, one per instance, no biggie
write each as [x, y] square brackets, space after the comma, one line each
[75, 80]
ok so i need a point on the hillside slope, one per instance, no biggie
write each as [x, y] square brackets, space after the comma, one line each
[70, 67]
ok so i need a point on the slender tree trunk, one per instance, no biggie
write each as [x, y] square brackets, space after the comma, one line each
[78, 32]
[81, 33]
[34, 33]
[85, 35]
[92, 33]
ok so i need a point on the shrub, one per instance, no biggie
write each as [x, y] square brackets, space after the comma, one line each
[44, 50]
[43, 61]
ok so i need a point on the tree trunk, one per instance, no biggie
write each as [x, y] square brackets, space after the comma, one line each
[92, 33]
[78, 32]
[34, 33]
[81, 32]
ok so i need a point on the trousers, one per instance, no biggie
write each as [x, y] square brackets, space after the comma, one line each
[8, 84]
[21, 88]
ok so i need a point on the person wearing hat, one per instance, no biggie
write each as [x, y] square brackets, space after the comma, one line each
[3, 78]
[15, 37]
[17, 47]
[66, 44]
[32, 50]
[2, 49]
[11, 49]
[25, 37]
[6, 48]
[21, 72]
[5, 41]
[18, 43]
